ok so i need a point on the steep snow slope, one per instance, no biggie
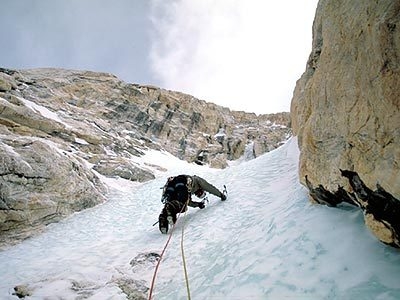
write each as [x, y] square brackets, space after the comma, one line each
[265, 242]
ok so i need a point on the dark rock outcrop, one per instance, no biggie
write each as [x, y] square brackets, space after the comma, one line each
[22, 291]
[381, 209]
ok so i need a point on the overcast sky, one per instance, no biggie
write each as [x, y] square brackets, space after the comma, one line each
[243, 54]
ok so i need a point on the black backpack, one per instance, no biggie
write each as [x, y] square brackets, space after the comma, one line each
[176, 189]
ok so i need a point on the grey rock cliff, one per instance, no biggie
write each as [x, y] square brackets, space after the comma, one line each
[346, 106]
[60, 130]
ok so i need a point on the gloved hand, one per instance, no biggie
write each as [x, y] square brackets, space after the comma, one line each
[201, 205]
[223, 197]
[165, 199]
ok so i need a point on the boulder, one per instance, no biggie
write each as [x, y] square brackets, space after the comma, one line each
[40, 184]
[123, 168]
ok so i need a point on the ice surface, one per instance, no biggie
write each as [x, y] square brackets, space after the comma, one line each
[267, 241]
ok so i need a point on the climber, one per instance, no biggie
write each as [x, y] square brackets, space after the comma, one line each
[177, 196]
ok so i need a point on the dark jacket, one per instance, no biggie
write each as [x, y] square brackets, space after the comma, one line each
[180, 188]
[198, 182]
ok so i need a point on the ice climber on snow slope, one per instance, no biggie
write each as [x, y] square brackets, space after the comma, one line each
[177, 194]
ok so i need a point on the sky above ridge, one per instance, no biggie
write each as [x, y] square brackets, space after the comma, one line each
[245, 55]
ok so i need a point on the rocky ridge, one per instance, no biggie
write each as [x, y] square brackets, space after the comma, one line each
[61, 130]
[346, 111]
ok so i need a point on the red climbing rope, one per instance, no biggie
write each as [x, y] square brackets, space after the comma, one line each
[158, 264]
[162, 254]
[183, 258]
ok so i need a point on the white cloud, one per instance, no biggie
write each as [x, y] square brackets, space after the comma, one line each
[243, 54]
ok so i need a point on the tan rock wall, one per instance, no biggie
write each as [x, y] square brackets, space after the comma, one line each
[346, 106]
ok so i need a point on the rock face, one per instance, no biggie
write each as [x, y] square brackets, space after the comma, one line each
[60, 130]
[346, 106]
[40, 184]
